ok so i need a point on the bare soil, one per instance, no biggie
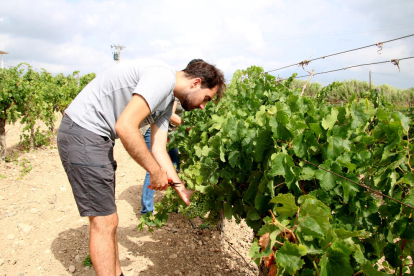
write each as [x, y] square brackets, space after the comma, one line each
[43, 234]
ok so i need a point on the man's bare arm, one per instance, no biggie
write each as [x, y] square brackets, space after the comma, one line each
[159, 151]
[175, 119]
[127, 129]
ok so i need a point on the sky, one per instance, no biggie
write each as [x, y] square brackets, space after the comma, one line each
[63, 36]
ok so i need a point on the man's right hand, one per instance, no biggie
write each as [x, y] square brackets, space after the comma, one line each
[159, 180]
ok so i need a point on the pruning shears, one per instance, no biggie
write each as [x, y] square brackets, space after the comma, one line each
[171, 183]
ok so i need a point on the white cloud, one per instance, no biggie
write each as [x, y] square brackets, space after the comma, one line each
[161, 44]
[232, 34]
[92, 20]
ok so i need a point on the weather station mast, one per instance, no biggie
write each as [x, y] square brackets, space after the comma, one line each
[117, 55]
[1, 61]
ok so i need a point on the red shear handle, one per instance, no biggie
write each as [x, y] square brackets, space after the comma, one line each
[170, 182]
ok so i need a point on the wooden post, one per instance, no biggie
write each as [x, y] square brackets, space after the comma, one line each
[304, 87]
[369, 79]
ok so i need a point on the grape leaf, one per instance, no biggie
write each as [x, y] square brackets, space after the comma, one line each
[336, 260]
[392, 254]
[288, 208]
[330, 120]
[313, 220]
[289, 257]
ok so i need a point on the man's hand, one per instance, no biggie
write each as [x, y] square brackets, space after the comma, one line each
[184, 193]
[159, 151]
[159, 180]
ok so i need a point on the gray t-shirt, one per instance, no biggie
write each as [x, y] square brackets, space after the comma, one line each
[99, 105]
[171, 127]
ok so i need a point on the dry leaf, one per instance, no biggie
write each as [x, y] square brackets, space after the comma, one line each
[269, 260]
[264, 240]
[273, 270]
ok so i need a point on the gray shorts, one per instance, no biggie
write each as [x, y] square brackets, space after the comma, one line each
[89, 162]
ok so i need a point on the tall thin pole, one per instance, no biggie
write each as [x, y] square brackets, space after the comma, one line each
[1, 60]
[369, 79]
[119, 54]
[119, 48]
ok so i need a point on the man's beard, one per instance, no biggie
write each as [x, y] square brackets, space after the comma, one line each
[187, 104]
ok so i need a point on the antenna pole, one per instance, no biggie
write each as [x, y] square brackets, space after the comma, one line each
[119, 48]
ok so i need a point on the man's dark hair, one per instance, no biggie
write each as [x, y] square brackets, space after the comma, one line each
[195, 60]
[210, 76]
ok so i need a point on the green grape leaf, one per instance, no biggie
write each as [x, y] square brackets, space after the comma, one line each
[409, 179]
[299, 145]
[252, 214]
[336, 261]
[369, 270]
[314, 221]
[229, 124]
[307, 173]
[327, 179]
[254, 248]
[405, 121]
[288, 257]
[262, 203]
[233, 156]
[410, 199]
[281, 164]
[288, 208]
[359, 115]
[261, 143]
[382, 114]
[228, 210]
[366, 266]
[330, 120]
[344, 234]
[216, 121]
[392, 254]
[403, 228]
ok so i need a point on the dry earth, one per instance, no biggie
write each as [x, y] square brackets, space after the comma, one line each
[43, 234]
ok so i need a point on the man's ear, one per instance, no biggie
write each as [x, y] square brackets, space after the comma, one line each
[196, 82]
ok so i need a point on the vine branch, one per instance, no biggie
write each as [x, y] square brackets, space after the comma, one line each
[304, 87]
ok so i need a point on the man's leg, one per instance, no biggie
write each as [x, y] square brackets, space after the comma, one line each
[103, 245]
[147, 198]
[90, 166]
[173, 153]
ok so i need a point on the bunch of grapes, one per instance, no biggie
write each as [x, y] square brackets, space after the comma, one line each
[201, 206]
[197, 207]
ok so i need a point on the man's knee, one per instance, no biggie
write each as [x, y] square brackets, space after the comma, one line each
[104, 224]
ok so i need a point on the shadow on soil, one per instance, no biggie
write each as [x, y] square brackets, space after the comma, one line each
[132, 195]
[150, 254]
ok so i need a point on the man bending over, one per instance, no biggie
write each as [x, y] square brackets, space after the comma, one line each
[115, 105]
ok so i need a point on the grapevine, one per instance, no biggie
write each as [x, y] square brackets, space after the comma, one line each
[251, 155]
[27, 95]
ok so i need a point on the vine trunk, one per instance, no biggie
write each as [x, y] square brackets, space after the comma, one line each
[3, 148]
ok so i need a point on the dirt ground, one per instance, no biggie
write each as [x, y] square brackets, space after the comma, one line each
[43, 234]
